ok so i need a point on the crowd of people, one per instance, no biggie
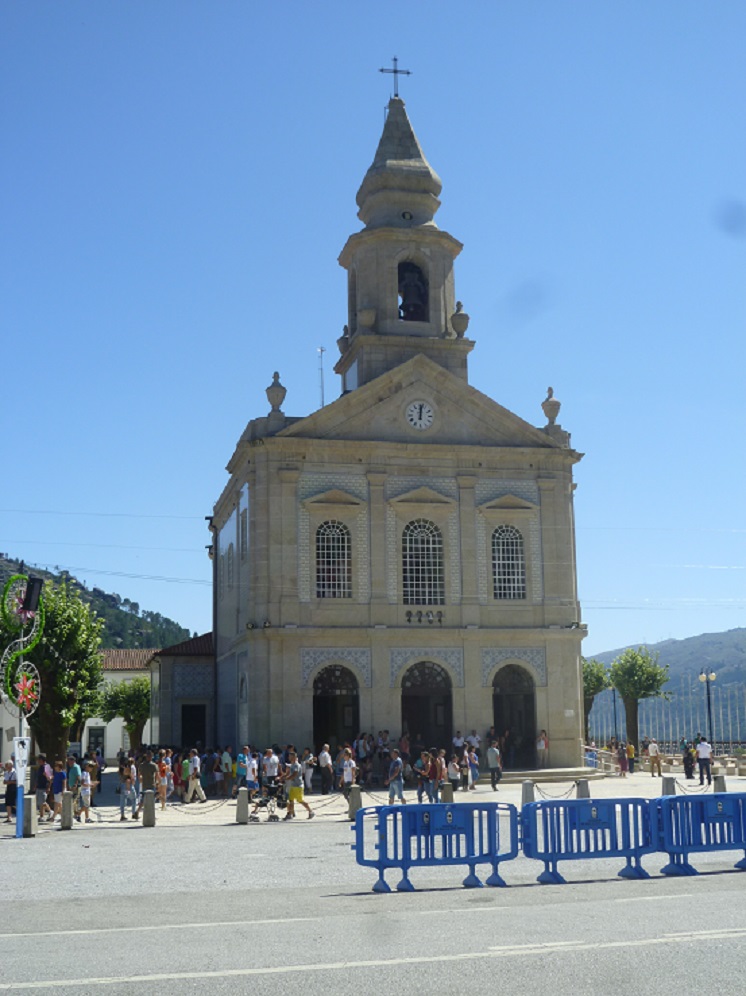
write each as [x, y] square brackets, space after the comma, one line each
[696, 752]
[199, 774]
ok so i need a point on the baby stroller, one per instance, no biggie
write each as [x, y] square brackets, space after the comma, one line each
[271, 799]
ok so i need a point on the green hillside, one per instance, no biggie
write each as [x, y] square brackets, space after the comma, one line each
[723, 653]
[126, 625]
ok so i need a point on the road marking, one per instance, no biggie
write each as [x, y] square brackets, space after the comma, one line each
[556, 947]
[649, 899]
[160, 926]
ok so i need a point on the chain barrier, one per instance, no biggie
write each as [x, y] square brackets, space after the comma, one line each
[694, 789]
[548, 795]
[182, 807]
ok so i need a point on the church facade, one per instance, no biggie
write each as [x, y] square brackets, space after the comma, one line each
[404, 557]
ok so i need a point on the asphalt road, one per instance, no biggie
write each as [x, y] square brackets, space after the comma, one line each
[284, 908]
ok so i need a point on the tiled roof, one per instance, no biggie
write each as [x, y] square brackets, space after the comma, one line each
[198, 646]
[128, 660]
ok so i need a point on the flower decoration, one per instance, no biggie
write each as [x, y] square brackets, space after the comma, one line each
[27, 694]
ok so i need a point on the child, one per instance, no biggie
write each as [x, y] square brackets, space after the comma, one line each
[59, 781]
[128, 796]
[86, 785]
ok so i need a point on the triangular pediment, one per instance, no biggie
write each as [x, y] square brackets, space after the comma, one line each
[508, 503]
[423, 496]
[462, 415]
[334, 497]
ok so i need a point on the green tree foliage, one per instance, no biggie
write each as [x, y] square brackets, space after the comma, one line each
[636, 674]
[69, 665]
[131, 701]
[595, 680]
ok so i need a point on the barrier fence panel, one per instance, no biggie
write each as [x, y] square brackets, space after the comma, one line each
[687, 825]
[412, 836]
[578, 829]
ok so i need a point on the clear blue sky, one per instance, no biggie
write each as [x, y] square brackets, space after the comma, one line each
[178, 179]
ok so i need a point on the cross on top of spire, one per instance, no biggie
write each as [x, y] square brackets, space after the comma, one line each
[396, 72]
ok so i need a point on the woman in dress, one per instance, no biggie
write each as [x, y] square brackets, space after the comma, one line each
[10, 783]
[473, 758]
[308, 763]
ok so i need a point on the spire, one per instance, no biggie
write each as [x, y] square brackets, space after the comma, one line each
[401, 188]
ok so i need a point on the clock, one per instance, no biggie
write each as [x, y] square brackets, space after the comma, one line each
[420, 415]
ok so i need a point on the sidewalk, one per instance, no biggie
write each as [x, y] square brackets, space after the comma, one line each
[333, 808]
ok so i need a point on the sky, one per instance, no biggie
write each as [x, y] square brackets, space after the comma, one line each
[178, 179]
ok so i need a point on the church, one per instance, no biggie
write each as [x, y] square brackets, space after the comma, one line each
[404, 557]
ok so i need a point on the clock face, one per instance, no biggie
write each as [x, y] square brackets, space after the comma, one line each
[420, 415]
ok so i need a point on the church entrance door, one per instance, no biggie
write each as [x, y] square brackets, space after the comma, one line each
[426, 704]
[193, 725]
[336, 706]
[514, 713]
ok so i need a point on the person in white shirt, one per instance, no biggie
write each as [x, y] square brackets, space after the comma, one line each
[348, 773]
[655, 758]
[327, 770]
[270, 766]
[704, 756]
[458, 743]
[195, 766]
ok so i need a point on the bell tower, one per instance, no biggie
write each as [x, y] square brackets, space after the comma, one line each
[400, 285]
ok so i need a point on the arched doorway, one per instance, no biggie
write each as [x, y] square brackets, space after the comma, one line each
[336, 706]
[426, 704]
[513, 710]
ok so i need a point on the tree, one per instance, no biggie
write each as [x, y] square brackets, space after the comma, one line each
[595, 680]
[131, 701]
[69, 664]
[636, 674]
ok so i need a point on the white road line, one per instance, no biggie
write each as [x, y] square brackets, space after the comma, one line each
[559, 947]
[160, 926]
[652, 899]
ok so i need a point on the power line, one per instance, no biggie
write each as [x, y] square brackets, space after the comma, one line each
[110, 515]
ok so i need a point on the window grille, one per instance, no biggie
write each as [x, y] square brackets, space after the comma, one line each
[333, 561]
[244, 534]
[508, 563]
[423, 580]
[229, 566]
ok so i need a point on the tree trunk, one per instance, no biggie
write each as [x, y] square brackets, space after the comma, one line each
[134, 731]
[631, 707]
[588, 701]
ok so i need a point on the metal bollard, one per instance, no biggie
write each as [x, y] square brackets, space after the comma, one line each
[242, 806]
[446, 792]
[718, 784]
[148, 808]
[668, 785]
[30, 816]
[354, 802]
[66, 819]
[527, 792]
[583, 788]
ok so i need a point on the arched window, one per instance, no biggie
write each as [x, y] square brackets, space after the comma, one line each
[422, 564]
[413, 293]
[508, 563]
[333, 561]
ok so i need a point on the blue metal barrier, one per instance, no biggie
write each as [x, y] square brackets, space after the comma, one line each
[686, 825]
[438, 834]
[577, 829]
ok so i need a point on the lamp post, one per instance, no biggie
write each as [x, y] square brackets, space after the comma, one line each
[707, 677]
[613, 693]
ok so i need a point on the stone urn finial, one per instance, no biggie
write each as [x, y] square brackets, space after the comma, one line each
[343, 342]
[276, 392]
[551, 406]
[459, 321]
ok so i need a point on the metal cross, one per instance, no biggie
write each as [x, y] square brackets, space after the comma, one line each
[396, 73]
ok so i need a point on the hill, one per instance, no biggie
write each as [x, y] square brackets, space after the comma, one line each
[723, 653]
[126, 626]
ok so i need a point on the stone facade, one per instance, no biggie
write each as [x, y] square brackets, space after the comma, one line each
[405, 555]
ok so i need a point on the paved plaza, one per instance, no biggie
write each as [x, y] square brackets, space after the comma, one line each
[199, 903]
